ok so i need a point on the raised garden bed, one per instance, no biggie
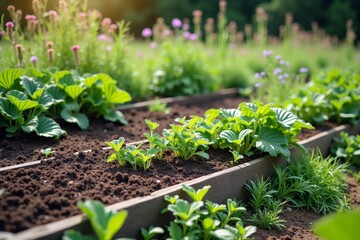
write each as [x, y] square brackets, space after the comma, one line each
[89, 174]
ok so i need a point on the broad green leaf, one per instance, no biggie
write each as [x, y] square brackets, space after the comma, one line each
[115, 95]
[75, 235]
[47, 127]
[35, 72]
[343, 225]
[229, 135]
[70, 114]
[174, 231]
[90, 81]
[106, 79]
[18, 94]
[9, 110]
[223, 234]
[202, 154]
[30, 85]
[46, 101]
[9, 76]
[152, 125]
[22, 105]
[273, 141]
[264, 111]
[115, 116]
[116, 144]
[74, 91]
[30, 124]
[95, 96]
[285, 118]
[56, 93]
[64, 78]
[230, 113]
[115, 223]
[105, 223]
[196, 195]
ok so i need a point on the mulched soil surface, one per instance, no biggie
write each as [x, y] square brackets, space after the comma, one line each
[49, 191]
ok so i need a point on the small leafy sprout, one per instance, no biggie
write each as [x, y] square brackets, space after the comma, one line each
[119, 154]
[239, 232]
[269, 216]
[158, 106]
[151, 233]
[47, 152]
[105, 223]
[196, 195]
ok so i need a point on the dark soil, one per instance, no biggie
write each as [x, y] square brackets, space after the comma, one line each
[49, 191]
[298, 222]
[27, 148]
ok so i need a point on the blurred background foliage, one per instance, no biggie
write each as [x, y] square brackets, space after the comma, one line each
[329, 14]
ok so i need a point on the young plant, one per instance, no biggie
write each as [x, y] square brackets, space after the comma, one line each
[193, 221]
[239, 232]
[47, 152]
[149, 234]
[158, 106]
[155, 141]
[185, 143]
[104, 223]
[117, 146]
[269, 216]
[347, 148]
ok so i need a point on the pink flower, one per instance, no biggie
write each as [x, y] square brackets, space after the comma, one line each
[9, 25]
[153, 45]
[146, 33]
[53, 13]
[176, 23]
[30, 17]
[33, 59]
[75, 48]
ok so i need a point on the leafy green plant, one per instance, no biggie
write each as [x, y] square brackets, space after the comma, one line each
[356, 175]
[149, 234]
[338, 226]
[23, 105]
[104, 223]
[276, 83]
[154, 139]
[269, 216]
[181, 72]
[47, 152]
[134, 155]
[347, 148]
[199, 220]
[157, 106]
[185, 143]
[332, 95]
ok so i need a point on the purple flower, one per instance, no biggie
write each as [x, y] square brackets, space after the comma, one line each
[186, 27]
[281, 77]
[257, 85]
[267, 53]
[286, 75]
[102, 37]
[176, 23]
[33, 59]
[9, 25]
[187, 35]
[263, 74]
[282, 62]
[282, 81]
[146, 33]
[167, 32]
[304, 70]
[277, 71]
[278, 57]
[193, 37]
[257, 75]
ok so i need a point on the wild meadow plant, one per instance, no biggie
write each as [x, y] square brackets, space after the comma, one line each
[276, 83]
[71, 37]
